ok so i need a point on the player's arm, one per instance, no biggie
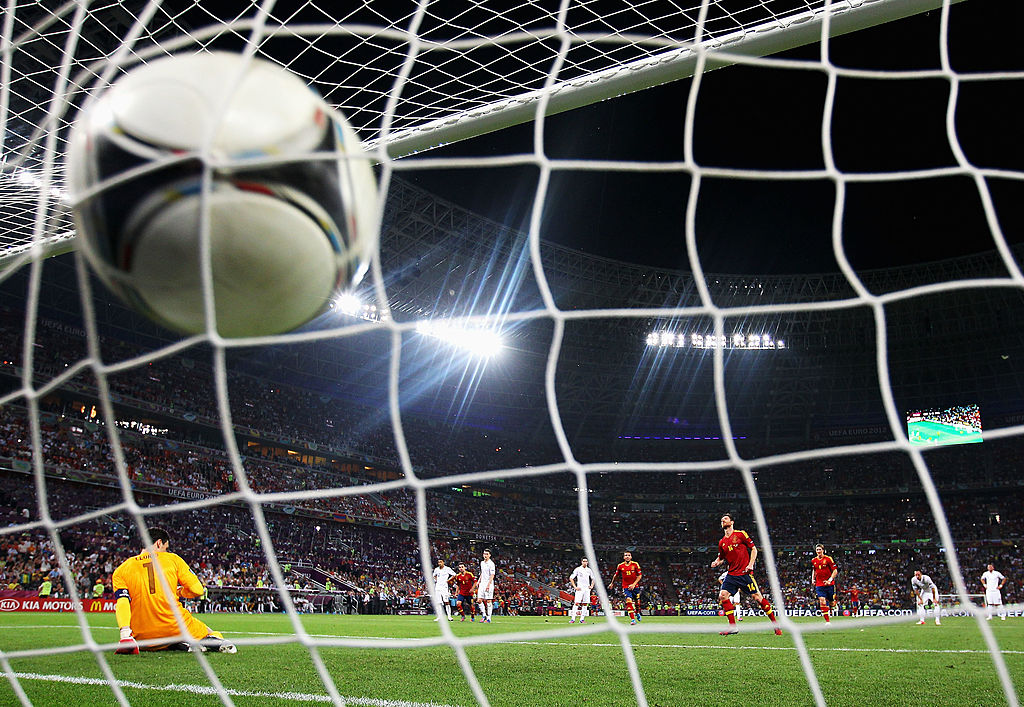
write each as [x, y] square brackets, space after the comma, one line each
[614, 575]
[753, 556]
[636, 582]
[189, 586]
[835, 573]
[718, 560]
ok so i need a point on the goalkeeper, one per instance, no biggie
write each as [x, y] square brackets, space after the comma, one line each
[144, 610]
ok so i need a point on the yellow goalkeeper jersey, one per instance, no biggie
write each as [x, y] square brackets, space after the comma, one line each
[152, 613]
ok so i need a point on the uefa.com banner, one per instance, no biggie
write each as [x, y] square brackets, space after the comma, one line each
[50, 604]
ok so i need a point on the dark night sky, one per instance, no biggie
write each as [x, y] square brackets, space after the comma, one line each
[760, 118]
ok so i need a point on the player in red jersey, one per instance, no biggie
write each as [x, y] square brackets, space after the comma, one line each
[737, 550]
[854, 600]
[465, 580]
[631, 574]
[823, 574]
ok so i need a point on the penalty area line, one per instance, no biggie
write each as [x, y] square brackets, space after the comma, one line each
[734, 647]
[208, 690]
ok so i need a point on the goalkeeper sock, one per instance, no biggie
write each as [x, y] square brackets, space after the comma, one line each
[730, 610]
[127, 644]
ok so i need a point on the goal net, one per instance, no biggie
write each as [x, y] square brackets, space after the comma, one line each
[733, 259]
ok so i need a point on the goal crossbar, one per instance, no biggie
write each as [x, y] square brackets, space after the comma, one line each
[671, 65]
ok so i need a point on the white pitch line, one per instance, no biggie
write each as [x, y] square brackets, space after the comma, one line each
[767, 648]
[207, 690]
[724, 646]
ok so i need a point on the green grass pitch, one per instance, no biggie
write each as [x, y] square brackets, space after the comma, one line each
[882, 665]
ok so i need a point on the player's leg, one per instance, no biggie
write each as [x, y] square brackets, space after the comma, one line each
[490, 609]
[572, 613]
[735, 599]
[585, 611]
[209, 640]
[920, 611]
[630, 606]
[823, 602]
[725, 599]
[988, 610]
[764, 604]
[937, 609]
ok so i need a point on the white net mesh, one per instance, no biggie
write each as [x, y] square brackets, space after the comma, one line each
[357, 452]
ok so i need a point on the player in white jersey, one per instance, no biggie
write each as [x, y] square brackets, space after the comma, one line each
[442, 576]
[582, 581]
[735, 598]
[485, 587]
[993, 582]
[927, 595]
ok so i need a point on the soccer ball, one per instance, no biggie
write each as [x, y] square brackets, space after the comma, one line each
[238, 148]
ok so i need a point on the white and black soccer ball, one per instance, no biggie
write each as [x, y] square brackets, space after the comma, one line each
[164, 150]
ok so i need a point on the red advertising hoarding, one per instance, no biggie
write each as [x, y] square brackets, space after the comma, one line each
[51, 604]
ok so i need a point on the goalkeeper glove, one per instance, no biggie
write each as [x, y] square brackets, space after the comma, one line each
[127, 645]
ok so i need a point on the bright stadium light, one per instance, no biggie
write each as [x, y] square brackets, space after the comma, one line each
[696, 340]
[350, 304]
[30, 180]
[479, 342]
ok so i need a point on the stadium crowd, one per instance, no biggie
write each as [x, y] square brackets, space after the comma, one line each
[309, 455]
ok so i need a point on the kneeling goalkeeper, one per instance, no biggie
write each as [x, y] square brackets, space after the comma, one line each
[144, 611]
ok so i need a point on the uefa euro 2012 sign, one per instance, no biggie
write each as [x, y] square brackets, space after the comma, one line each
[234, 161]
